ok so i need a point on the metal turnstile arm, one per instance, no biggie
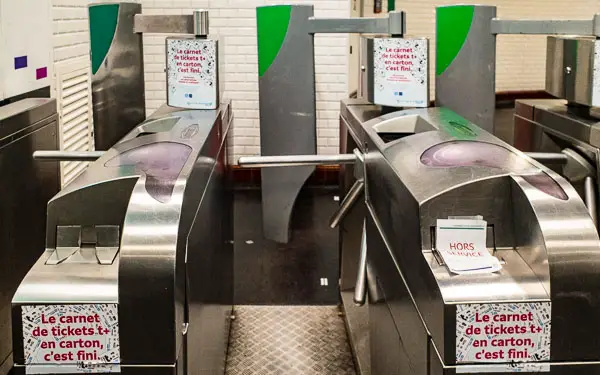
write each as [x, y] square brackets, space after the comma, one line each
[68, 155]
[360, 290]
[294, 160]
[303, 160]
[548, 157]
[352, 197]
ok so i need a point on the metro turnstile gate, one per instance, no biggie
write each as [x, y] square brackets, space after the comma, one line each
[140, 245]
[403, 297]
[440, 165]
[568, 125]
[418, 166]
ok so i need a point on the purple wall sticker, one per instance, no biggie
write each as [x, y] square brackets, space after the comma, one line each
[41, 73]
[20, 62]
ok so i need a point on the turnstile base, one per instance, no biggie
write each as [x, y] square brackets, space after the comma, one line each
[357, 324]
[289, 340]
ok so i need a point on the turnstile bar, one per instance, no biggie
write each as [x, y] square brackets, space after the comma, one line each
[360, 290]
[548, 157]
[67, 155]
[303, 160]
[355, 192]
[294, 160]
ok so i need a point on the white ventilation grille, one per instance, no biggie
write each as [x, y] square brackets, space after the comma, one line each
[75, 114]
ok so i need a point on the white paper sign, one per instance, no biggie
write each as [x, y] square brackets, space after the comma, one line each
[71, 339]
[192, 73]
[514, 336]
[462, 245]
[401, 72]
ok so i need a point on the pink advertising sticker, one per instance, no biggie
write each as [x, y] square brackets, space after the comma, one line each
[71, 339]
[401, 72]
[511, 336]
[192, 73]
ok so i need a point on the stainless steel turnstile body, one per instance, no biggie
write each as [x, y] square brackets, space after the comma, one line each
[147, 227]
[25, 189]
[422, 165]
[569, 125]
[552, 125]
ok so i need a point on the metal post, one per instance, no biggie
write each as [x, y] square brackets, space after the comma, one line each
[201, 23]
[286, 68]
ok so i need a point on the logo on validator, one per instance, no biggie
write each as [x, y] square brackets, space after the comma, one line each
[188, 96]
[398, 93]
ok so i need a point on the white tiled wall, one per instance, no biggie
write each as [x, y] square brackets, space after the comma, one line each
[234, 22]
[520, 58]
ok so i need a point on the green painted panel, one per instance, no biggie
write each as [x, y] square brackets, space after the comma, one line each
[103, 24]
[453, 24]
[458, 127]
[272, 25]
